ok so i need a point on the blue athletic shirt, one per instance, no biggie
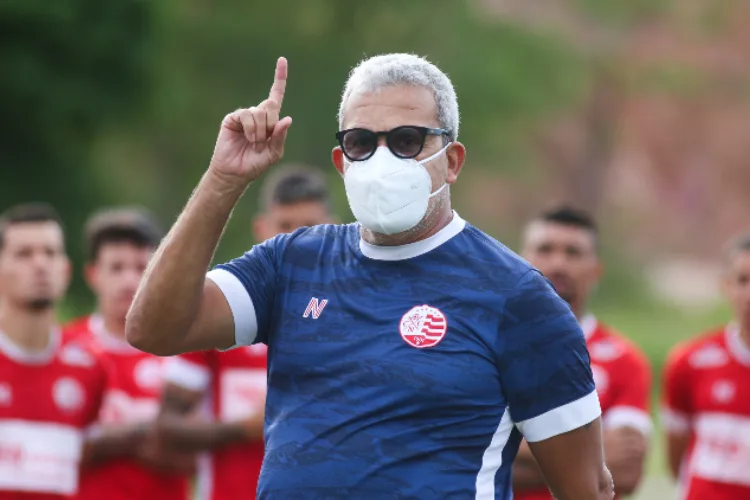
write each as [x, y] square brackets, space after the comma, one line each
[406, 372]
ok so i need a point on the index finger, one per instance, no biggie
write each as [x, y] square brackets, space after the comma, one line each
[279, 82]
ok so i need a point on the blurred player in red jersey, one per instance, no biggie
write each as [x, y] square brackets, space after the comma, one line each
[563, 245]
[122, 460]
[235, 380]
[707, 397]
[50, 387]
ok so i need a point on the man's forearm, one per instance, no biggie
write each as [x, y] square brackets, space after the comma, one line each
[105, 443]
[168, 299]
[526, 472]
[185, 435]
[527, 476]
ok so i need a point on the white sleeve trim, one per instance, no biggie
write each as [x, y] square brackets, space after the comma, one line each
[187, 375]
[562, 419]
[241, 304]
[674, 421]
[628, 416]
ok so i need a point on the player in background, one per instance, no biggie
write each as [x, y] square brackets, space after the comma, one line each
[235, 380]
[123, 460]
[562, 244]
[706, 408]
[50, 387]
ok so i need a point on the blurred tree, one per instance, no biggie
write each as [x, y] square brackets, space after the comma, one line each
[218, 56]
[70, 71]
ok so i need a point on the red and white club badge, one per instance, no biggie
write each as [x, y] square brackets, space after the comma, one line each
[423, 326]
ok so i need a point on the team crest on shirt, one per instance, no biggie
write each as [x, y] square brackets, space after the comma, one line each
[68, 394]
[723, 391]
[423, 326]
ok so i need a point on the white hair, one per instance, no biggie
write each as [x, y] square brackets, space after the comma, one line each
[377, 72]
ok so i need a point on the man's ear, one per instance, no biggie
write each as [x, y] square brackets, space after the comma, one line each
[90, 275]
[338, 159]
[456, 154]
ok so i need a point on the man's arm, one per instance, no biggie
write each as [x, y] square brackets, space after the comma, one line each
[526, 472]
[677, 446]
[176, 308]
[573, 464]
[624, 451]
[677, 407]
[108, 442]
[179, 429]
[545, 372]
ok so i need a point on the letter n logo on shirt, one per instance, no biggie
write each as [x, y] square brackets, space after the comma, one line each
[315, 308]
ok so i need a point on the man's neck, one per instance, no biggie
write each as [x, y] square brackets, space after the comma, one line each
[744, 331]
[28, 329]
[114, 326]
[431, 225]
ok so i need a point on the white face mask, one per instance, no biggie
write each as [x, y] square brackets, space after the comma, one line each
[387, 194]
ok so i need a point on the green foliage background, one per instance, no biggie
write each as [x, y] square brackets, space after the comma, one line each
[119, 102]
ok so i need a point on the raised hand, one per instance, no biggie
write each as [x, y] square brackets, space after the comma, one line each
[252, 139]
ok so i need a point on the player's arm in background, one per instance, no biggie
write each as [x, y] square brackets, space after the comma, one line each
[626, 430]
[627, 423]
[107, 441]
[104, 442]
[179, 427]
[677, 408]
[177, 309]
[545, 372]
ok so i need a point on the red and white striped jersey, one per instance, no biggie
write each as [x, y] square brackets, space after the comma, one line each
[707, 394]
[132, 395]
[234, 382]
[48, 399]
[623, 382]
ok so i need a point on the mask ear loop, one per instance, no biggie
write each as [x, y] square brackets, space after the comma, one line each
[430, 158]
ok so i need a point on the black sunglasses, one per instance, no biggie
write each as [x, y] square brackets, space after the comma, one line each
[359, 144]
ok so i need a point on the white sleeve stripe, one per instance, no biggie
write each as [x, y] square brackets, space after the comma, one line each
[674, 421]
[241, 304]
[562, 419]
[628, 416]
[187, 375]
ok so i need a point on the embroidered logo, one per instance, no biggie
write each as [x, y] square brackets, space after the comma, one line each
[723, 391]
[315, 308]
[68, 394]
[423, 326]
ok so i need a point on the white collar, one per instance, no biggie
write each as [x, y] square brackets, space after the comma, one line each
[107, 340]
[21, 355]
[589, 324]
[735, 345]
[411, 250]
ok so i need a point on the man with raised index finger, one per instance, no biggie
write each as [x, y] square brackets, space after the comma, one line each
[409, 352]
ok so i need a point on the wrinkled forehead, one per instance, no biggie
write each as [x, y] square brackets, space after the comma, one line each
[390, 107]
[47, 234]
[539, 233]
[739, 262]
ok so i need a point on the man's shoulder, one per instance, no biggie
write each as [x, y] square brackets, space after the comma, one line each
[708, 350]
[312, 238]
[77, 329]
[609, 345]
[491, 257]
